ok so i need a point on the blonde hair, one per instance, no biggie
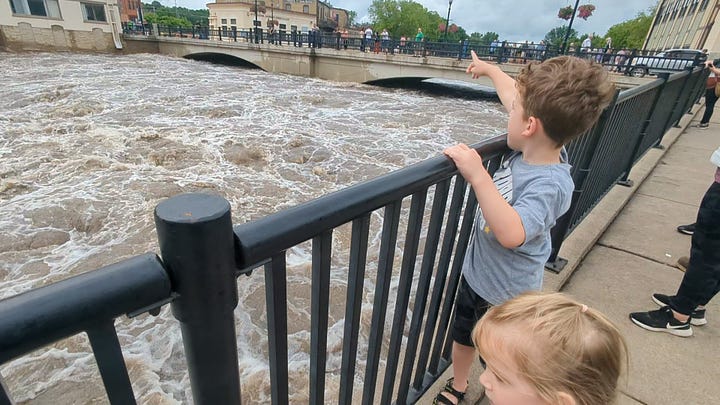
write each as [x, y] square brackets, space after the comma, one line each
[557, 345]
[567, 94]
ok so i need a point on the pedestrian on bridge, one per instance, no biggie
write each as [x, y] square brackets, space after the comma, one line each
[550, 104]
[711, 94]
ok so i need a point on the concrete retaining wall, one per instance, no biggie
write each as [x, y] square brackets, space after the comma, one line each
[25, 37]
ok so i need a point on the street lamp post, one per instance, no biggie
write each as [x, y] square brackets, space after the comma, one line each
[447, 20]
[567, 33]
[255, 28]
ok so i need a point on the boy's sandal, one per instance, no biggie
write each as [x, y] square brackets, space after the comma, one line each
[442, 399]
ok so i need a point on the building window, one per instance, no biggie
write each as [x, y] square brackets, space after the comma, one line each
[288, 6]
[41, 8]
[283, 27]
[257, 23]
[223, 21]
[233, 21]
[93, 12]
[306, 9]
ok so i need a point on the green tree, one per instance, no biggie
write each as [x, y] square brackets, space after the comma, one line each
[486, 38]
[352, 17]
[631, 33]
[555, 37]
[195, 17]
[170, 21]
[404, 17]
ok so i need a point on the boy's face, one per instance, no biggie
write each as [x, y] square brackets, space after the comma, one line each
[517, 123]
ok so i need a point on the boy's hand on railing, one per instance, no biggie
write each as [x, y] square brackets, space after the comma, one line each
[468, 162]
[477, 67]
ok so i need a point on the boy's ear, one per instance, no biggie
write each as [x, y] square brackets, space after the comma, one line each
[533, 125]
[565, 399]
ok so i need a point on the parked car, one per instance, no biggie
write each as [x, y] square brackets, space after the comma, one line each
[669, 61]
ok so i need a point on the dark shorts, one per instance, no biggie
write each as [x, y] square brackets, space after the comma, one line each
[469, 308]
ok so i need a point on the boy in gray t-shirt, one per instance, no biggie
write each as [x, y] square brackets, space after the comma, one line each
[549, 104]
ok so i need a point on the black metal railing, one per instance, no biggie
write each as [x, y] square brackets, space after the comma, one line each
[424, 215]
[629, 62]
[604, 155]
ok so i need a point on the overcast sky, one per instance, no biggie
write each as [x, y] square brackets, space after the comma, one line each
[514, 20]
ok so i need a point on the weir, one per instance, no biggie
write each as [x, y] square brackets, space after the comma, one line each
[204, 257]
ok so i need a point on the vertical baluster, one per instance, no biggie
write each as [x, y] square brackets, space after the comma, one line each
[434, 237]
[462, 246]
[412, 239]
[444, 264]
[109, 358]
[276, 301]
[382, 288]
[321, 253]
[431, 242]
[356, 277]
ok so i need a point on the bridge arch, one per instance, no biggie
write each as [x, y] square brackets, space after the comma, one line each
[222, 59]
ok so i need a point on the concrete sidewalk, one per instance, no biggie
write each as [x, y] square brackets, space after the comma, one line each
[635, 257]
[625, 250]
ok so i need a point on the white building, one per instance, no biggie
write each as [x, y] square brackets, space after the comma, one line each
[92, 25]
[287, 15]
[685, 24]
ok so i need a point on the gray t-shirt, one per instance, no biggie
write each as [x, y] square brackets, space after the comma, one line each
[540, 194]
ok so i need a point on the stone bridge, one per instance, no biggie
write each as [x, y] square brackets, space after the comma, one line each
[327, 63]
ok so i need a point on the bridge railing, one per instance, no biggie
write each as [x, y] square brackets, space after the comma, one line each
[421, 219]
[629, 62]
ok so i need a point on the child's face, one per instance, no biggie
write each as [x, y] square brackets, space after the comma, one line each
[505, 386]
[516, 124]
[503, 382]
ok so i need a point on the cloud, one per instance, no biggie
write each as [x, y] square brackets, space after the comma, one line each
[514, 20]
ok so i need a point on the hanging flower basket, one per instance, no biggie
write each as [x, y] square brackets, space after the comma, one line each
[565, 13]
[441, 27]
[453, 28]
[585, 11]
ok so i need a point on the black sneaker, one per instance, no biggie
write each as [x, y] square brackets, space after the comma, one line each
[661, 320]
[697, 317]
[686, 229]
[703, 126]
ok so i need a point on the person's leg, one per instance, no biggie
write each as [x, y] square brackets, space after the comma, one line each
[701, 280]
[710, 100]
[469, 308]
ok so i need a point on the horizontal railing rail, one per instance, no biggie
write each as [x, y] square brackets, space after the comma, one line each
[422, 217]
[89, 303]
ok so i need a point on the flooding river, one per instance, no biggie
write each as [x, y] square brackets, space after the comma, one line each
[90, 144]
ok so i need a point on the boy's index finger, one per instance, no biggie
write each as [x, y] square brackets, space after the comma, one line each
[474, 56]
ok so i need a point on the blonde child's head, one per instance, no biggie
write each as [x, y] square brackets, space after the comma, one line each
[567, 94]
[549, 349]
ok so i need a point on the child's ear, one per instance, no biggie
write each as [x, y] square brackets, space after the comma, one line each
[565, 399]
[533, 125]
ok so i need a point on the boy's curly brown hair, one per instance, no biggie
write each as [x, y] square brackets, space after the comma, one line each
[567, 94]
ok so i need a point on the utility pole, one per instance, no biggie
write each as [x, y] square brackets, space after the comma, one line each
[567, 33]
[255, 28]
[447, 20]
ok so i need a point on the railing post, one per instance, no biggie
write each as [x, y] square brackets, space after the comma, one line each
[625, 181]
[560, 230]
[197, 246]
